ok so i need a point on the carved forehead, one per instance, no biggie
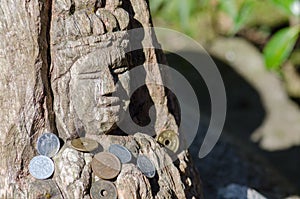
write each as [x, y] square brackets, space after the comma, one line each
[99, 60]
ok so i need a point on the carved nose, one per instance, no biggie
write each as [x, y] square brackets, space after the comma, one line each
[107, 84]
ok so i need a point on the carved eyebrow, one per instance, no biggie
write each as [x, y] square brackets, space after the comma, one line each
[90, 75]
[96, 74]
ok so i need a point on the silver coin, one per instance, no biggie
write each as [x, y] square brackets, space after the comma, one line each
[121, 152]
[41, 167]
[146, 166]
[48, 144]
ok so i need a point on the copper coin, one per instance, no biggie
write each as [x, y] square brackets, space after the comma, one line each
[103, 190]
[84, 144]
[106, 165]
[169, 139]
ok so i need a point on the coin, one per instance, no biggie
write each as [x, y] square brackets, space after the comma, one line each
[41, 167]
[169, 139]
[48, 144]
[121, 152]
[106, 165]
[146, 166]
[84, 144]
[103, 190]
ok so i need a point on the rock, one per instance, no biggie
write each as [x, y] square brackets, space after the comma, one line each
[234, 191]
[280, 129]
[72, 172]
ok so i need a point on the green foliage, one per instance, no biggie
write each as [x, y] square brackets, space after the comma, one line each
[183, 14]
[284, 5]
[243, 15]
[280, 47]
[229, 7]
[239, 14]
[177, 11]
[155, 5]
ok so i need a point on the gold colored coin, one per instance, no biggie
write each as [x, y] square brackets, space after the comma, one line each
[106, 165]
[84, 144]
[169, 139]
[103, 190]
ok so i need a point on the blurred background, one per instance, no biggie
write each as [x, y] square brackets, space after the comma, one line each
[256, 46]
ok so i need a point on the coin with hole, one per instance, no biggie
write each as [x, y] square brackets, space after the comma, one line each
[106, 165]
[169, 139]
[84, 144]
[103, 189]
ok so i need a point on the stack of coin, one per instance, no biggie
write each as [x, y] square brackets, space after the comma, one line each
[41, 166]
[107, 166]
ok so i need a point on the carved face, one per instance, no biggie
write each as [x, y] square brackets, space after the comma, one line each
[93, 82]
[88, 42]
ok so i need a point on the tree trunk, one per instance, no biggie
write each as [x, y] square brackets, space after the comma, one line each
[50, 52]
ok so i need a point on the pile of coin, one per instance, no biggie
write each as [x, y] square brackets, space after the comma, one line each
[42, 167]
[108, 164]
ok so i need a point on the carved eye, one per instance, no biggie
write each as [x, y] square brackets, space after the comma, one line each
[120, 69]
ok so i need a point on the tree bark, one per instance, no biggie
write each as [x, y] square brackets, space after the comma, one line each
[46, 47]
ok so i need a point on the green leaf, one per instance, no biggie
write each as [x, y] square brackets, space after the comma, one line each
[243, 15]
[155, 5]
[285, 5]
[280, 47]
[229, 7]
[185, 11]
[203, 3]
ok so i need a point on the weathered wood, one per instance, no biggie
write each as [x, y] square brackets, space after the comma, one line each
[53, 55]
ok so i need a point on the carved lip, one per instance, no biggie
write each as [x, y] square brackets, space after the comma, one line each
[106, 101]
